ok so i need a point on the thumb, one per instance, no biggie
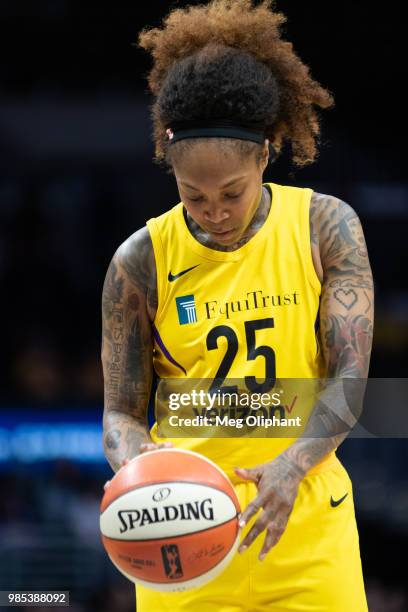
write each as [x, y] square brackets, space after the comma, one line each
[253, 474]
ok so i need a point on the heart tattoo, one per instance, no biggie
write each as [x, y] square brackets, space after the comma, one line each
[346, 297]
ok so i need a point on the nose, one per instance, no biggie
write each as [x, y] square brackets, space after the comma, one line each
[215, 214]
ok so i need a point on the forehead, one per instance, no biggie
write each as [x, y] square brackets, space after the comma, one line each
[212, 161]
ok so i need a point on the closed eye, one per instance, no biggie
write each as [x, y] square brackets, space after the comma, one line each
[229, 196]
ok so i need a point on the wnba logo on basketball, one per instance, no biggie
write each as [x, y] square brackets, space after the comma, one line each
[130, 519]
[172, 561]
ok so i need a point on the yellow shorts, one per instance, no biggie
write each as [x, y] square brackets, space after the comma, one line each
[315, 567]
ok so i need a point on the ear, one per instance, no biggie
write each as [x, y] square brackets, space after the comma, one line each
[265, 155]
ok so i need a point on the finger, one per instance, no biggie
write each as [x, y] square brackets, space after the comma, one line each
[150, 446]
[250, 510]
[252, 534]
[147, 446]
[124, 462]
[253, 474]
[274, 532]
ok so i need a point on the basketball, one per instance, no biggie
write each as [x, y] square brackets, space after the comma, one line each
[169, 520]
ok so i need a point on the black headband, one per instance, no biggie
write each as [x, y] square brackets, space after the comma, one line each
[214, 128]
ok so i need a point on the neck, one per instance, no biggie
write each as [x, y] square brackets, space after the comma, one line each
[254, 226]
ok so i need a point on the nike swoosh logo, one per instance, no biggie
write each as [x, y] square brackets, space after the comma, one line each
[172, 277]
[337, 502]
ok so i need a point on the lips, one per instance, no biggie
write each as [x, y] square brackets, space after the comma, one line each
[220, 233]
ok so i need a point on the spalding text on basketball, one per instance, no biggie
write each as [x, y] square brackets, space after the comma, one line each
[130, 519]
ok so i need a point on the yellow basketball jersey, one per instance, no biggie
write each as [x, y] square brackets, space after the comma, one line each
[247, 314]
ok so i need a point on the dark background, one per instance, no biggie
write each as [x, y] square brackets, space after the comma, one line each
[77, 178]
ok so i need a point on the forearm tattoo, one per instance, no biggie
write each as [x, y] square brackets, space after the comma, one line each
[129, 301]
[346, 327]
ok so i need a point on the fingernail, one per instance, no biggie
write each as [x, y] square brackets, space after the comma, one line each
[262, 557]
[242, 549]
[241, 523]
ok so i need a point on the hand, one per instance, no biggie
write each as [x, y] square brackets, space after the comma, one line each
[278, 483]
[149, 446]
[144, 448]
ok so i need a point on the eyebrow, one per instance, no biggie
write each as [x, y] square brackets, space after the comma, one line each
[235, 180]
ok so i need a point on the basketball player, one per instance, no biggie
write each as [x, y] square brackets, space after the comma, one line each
[230, 283]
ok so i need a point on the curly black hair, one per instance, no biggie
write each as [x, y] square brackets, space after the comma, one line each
[227, 60]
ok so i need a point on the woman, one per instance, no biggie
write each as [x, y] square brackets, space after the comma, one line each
[230, 284]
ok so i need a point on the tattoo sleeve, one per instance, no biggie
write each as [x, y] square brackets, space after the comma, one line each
[129, 301]
[346, 329]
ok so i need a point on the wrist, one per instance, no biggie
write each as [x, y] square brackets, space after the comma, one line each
[292, 463]
[305, 453]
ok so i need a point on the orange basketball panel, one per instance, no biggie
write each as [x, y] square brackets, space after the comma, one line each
[174, 559]
[164, 466]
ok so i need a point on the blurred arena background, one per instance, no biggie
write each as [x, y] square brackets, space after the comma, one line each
[76, 178]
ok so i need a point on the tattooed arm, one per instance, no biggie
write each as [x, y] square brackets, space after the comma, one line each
[129, 302]
[346, 328]
[346, 323]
